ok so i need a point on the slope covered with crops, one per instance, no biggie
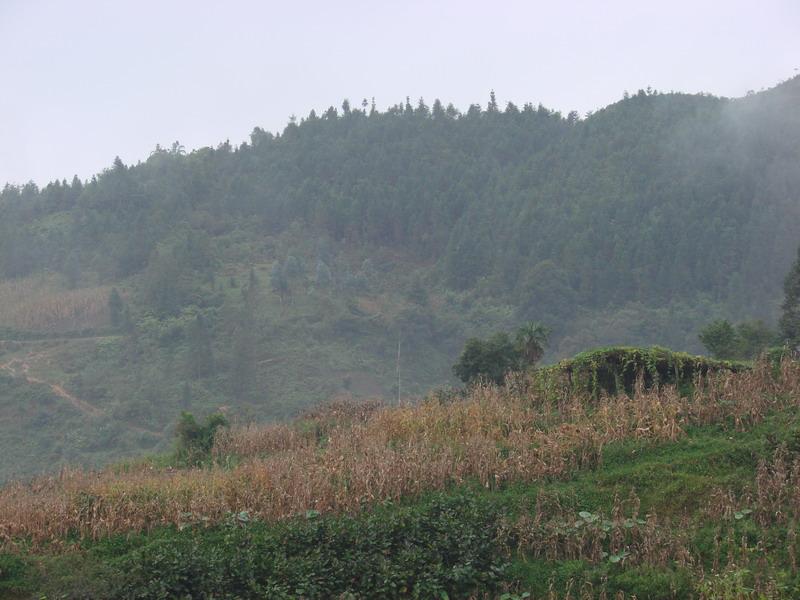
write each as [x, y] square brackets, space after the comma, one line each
[534, 487]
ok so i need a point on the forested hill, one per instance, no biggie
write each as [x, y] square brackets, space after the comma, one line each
[656, 198]
[274, 274]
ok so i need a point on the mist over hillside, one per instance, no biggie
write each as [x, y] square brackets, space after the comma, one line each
[298, 266]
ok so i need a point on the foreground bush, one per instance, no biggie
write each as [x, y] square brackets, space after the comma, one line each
[443, 548]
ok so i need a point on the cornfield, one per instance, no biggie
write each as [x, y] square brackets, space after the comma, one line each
[343, 459]
[38, 304]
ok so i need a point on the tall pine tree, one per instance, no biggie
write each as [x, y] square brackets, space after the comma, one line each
[790, 321]
[201, 354]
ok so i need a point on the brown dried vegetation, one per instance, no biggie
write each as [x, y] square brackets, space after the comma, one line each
[775, 499]
[552, 533]
[38, 304]
[345, 457]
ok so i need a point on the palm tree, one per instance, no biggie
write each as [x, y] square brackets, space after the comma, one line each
[531, 339]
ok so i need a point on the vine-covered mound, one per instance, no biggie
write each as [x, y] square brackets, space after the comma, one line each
[617, 369]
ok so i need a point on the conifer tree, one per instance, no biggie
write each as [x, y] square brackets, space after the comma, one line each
[72, 270]
[324, 278]
[278, 280]
[201, 355]
[243, 373]
[116, 308]
[492, 107]
[252, 279]
[790, 321]
[186, 395]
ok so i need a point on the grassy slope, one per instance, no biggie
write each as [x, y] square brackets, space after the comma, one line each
[49, 420]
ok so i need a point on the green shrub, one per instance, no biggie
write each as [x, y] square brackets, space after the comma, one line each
[195, 440]
[13, 573]
[443, 548]
[653, 583]
[487, 359]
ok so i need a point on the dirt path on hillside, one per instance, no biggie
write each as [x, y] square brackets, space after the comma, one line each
[19, 368]
[59, 339]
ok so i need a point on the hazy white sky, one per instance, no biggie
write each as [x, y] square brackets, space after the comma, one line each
[85, 80]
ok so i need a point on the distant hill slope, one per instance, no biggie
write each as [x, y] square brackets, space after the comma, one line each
[272, 275]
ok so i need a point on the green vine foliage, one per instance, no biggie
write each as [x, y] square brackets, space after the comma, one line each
[615, 370]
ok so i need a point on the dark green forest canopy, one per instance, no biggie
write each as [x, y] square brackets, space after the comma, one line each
[657, 198]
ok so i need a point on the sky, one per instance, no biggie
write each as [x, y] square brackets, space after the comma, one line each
[87, 80]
